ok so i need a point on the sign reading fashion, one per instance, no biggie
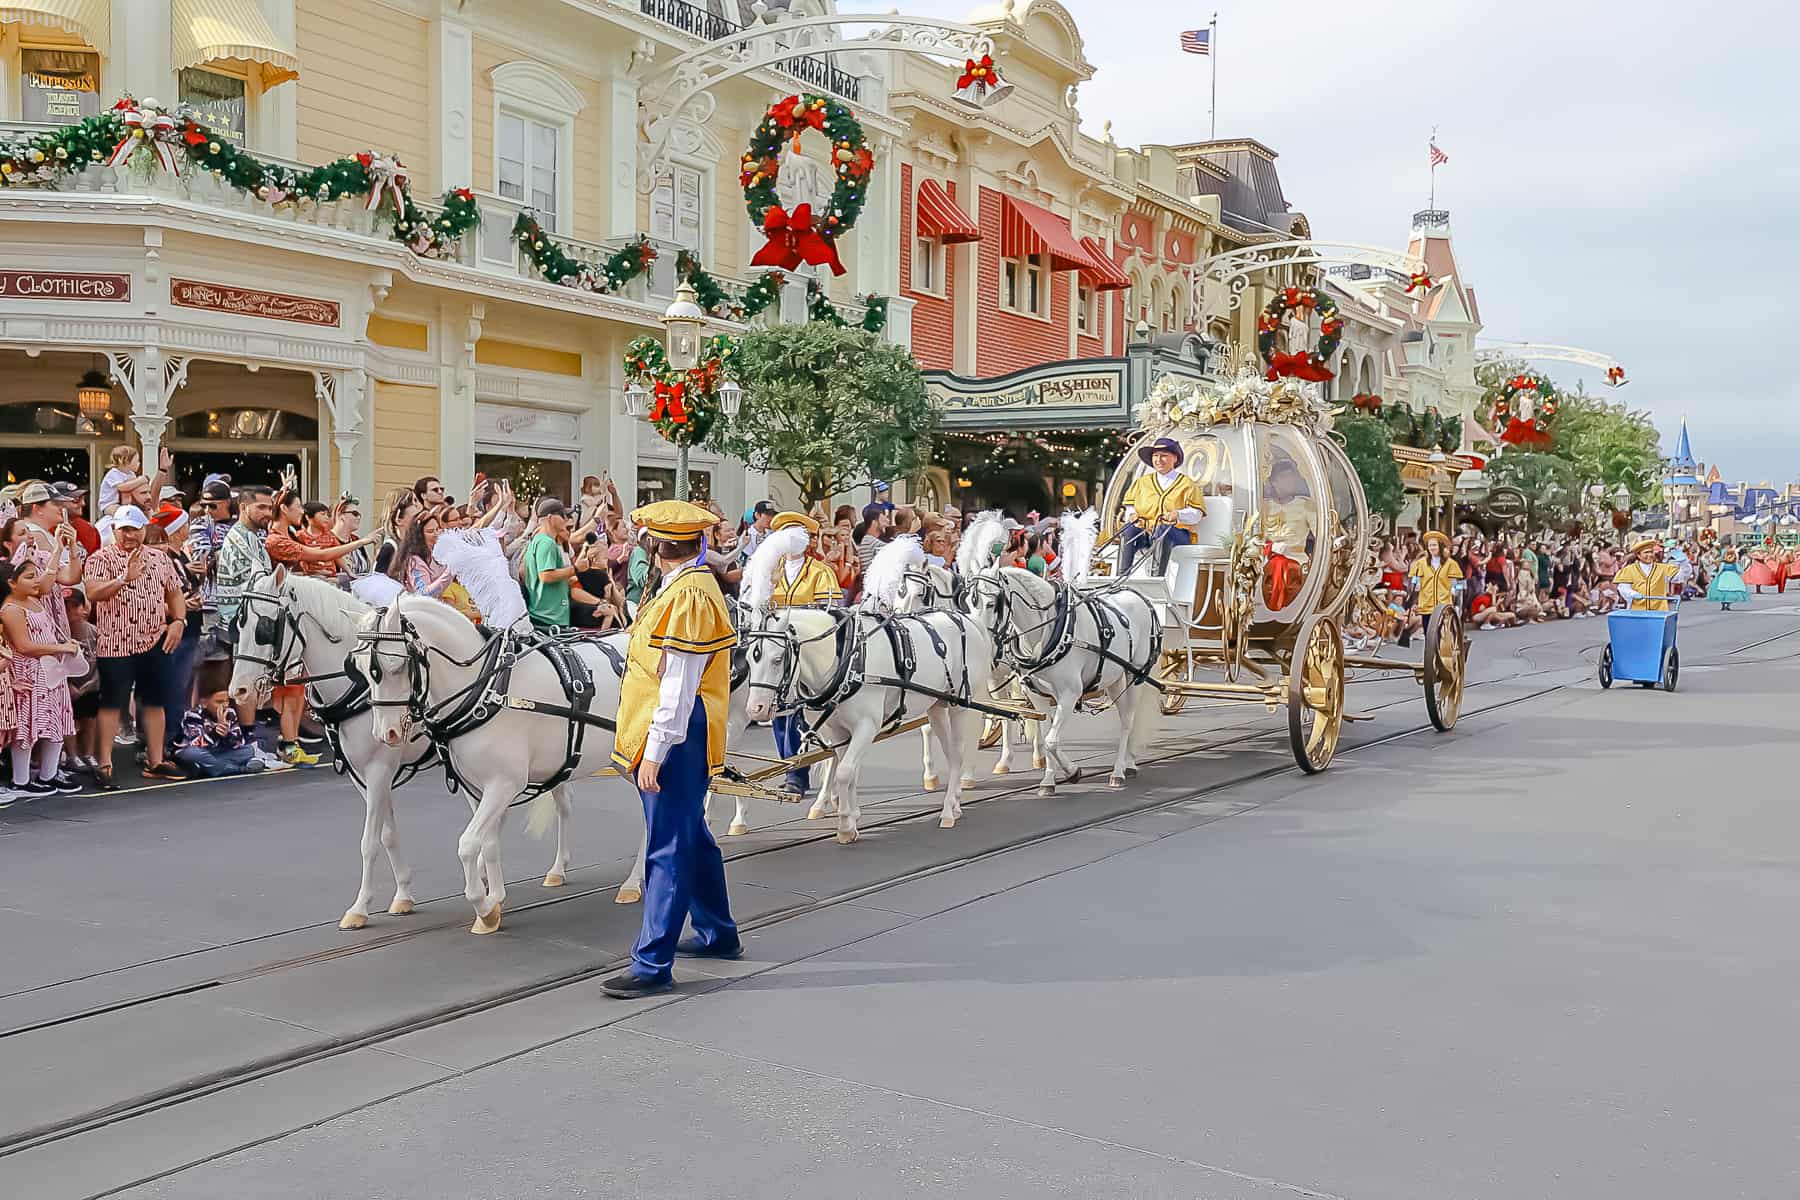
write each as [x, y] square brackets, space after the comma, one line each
[1506, 502]
[64, 285]
[1090, 390]
[252, 302]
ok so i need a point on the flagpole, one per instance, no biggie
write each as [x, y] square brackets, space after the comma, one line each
[1212, 53]
[1431, 204]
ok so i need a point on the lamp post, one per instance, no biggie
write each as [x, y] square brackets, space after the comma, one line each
[684, 323]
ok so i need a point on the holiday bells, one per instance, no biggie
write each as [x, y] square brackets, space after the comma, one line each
[1615, 376]
[981, 83]
[1419, 281]
[793, 240]
[387, 177]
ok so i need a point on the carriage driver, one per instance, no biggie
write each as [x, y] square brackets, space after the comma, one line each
[1166, 501]
[672, 746]
[804, 579]
[1645, 580]
[1438, 575]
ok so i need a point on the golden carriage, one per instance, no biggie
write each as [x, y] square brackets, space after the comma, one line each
[1254, 609]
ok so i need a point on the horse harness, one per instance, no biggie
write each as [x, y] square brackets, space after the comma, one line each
[1110, 624]
[485, 697]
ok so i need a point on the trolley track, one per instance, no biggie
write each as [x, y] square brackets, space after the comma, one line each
[329, 1046]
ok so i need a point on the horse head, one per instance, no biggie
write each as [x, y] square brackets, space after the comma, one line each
[262, 650]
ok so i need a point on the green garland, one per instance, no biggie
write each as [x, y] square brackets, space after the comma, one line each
[1305, 365]
[558, 266]
[851, 161]
[46, 159]
[710, 293]
[685, 404]
[762, 292]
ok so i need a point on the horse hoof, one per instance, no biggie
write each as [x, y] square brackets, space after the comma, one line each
[1074, 776]
[1037, 764]
[932, 783]
[846, 836]
[737, 829]
[487, 924]
[1116, 783]
[946, 822]
[554, 879]
[628, 895]
[1047, 789]
[1131, 772]
[401, 907]
[816, 812]
[1002, 769]
[353, 920]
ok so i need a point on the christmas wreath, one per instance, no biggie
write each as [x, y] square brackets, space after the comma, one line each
[802, 236]
[1525, 407]
[684, 405]
[1308, 365]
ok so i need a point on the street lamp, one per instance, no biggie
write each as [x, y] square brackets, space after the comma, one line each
[683, 320]
[637, 399]
[684, 328]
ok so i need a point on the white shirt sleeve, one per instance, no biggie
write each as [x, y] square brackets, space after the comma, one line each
[1629, 592]
[1187, 516]
[681, 673]
[1130, 513]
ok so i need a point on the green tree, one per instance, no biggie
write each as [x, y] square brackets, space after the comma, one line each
[1366, 443]
[1608, 443]
[1552, 488]
[831, 408]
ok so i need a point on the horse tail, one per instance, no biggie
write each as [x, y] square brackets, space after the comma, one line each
[540, 814]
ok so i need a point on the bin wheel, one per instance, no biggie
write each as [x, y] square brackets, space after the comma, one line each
[1315, 693]
[1606, 676]
[1446, 655]
[1672, 671]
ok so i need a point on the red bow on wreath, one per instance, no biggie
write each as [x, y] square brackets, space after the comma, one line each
[1524, 433]
[977, 70]
[1296, 298]
[793, 240]
[1420, 281]
[1299, 365]
[670, 403]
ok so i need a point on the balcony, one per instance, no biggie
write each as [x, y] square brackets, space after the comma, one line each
[811, 70]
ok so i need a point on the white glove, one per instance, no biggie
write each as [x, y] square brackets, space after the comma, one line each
[1187, 516]
[1629, 592]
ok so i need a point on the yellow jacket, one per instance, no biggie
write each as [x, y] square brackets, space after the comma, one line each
[1152, 501]
[1435, 582]
[815, 583]
[1651, 581]
[688, 615]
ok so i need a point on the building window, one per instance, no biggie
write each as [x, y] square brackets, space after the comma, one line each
[1168, 316]
[58, 87]
[527, 153]
[678, 208]
[927, 273]
[1086, 310]
[1024, 285]
[220, 97]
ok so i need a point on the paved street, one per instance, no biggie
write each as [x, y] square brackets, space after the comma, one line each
[1546, 955]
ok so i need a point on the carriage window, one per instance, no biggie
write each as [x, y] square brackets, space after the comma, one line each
[1290, 520]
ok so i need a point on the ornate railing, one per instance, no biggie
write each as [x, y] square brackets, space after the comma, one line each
[809, 69]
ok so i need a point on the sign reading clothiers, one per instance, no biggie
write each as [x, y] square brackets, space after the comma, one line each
[252, 302]
[64, 285]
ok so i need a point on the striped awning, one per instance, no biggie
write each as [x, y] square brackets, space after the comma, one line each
[1104, 275]
[229, 31]
[1027, 229]
[940, 218]
[92, 19]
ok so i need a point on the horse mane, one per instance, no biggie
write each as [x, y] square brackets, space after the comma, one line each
[758, 585]
[1080, 531]
[982, 543]
[1041, 590]
[887, 572]
[335, 610]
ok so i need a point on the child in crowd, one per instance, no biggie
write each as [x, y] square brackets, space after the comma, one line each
[123, 465]
[83, 750]
[213, 742]
[1488, 614]
[42, 716]
[9, 720]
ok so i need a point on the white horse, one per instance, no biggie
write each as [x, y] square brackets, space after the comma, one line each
[429, 665]
[794, 660]
[291, 621]
[1067, 641]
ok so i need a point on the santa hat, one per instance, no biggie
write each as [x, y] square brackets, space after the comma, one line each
[171, 517]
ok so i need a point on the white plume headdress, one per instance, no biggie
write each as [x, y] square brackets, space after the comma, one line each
[1080, 531]
[982, 543]
[759, 572]
[887, 572]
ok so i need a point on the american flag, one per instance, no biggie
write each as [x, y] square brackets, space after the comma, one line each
[1197, 41]
[1438, 157]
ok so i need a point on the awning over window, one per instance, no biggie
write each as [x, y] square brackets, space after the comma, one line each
[1027, 229]
[229, 31]
[1104, 275]
[940, 218]
[92, 19]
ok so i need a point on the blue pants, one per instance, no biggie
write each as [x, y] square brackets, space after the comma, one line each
[684, 873]
[1137, 540]
[790, 732]
[213, 764]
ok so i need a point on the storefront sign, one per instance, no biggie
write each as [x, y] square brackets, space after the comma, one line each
[58, 87]
[252, 302]
[1506, 503]
[64, 285]
[1084, 391]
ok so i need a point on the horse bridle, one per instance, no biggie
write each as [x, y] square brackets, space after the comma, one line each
[924, 578]
[787, 699]
[271, 631]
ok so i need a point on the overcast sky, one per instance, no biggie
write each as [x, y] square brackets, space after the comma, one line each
[1622, 177]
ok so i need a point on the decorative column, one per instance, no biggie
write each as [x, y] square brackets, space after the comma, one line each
[622, 140]
[453, 94]
[149, 377]
[344, 395]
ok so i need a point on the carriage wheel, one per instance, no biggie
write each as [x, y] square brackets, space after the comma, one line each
[1316, 693]
[1606, 675]
[1446, 654]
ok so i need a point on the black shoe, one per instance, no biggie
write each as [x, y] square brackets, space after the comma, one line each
[37, 789]
[65, 783]
[692, 948]
[311, 732]
[629, 985]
